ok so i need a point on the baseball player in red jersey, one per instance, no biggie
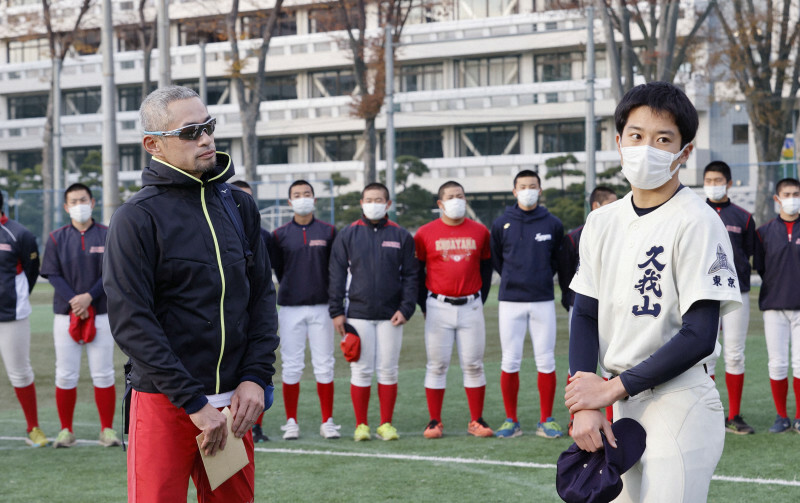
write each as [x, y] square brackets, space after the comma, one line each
[455, 266]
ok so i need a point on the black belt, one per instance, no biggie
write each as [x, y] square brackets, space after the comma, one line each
[456, 301]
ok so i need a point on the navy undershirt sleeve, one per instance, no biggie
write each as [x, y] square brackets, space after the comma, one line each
[61, 286]
[584, 341]
[693, 342]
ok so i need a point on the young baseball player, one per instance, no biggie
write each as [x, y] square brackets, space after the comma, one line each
[455, 276]
[73, 263]
[655, 274]
[19, 268]
[742, 231]
[373, 287]
[302, 249]
[777, 260]
[525, 242]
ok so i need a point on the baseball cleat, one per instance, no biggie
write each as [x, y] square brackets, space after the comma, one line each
[737, 426]
[361, 433]
[509, 429]
[258, 434]
[109, 438]
[65, 438]
[433, 430]
[387, 432]
[36, 438]
[329, 430]
[291, 430]
[781, 424]
[796, 425]
[479, 428]
[549, 429]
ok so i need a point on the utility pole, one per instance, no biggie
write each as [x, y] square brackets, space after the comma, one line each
[164, 60]
[203, 76]
[590, 120]
[389, 57]
[58, 168]
[110, 148]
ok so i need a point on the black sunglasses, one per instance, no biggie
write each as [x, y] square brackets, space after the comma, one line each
[190, 132]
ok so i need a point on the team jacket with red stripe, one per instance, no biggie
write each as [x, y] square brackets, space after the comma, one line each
[777, 260]
[19, 268]
[73, 263]
[380, 259]
[742, 231]
[570, 256]
[300, 256]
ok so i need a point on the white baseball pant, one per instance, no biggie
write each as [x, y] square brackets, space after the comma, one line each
[380, 351]
[15, 348]
[734, 335]
[298, 323]
[464, 325]
[781, 327]
[684, 421]
[99, 352]
[539, 318]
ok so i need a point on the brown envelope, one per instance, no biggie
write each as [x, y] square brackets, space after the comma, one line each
[226, 463]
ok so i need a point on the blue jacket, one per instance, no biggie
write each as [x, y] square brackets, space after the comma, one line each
[380, 259]
[301, 254]
[193, 314]
[19, 268]
[525, 246]
[777, 260]
[73, 263]
[742, 231]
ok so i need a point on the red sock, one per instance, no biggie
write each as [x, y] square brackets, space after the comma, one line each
[475, 401]
[734, 383]
[387, 394]
[547, 393]
[609, 411]
[325, 393]
[780, 390]
[291, 393]
[27, 399]
[435, 398]
[360, 397]
[796, 397]
[260, 418]
[105, 398]
[65, 402]
[509, 384]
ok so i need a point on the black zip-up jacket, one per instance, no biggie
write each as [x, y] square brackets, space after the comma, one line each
[777, 260]
[19, 263]
[380, 258]
[183, 305]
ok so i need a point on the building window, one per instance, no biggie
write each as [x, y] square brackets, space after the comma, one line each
[278, 150]
[19, 3]
[481, 72]
[80, 159]
[82, 101]
[431, 11]
[563, 137]
[479, 9]
[209, 30]
[286, 24]
[129, 98]
[740, 133]
[332, 83]
[21, 51]
[17, 161]
[128, 37]
[488, 140]
[412, 78]
[218, 90]
[281, 88]
[422, 143]
[86, 42]
[27, 107]
[330, 18]
[337, 147]
[567, 66]
[130, 158]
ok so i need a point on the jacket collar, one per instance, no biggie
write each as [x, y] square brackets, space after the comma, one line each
[160, 172]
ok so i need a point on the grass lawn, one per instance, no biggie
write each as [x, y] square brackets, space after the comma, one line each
[456, 468]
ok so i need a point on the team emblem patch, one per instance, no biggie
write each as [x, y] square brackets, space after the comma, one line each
[721, 263]
[317, 242]
[97, 249]
[5, 247]
[391, 244]
[543, 237]
[650, 284]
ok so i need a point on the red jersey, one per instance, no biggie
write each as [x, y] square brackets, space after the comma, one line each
[452, 256]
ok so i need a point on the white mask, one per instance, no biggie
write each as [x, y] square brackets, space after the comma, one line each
[647, 167]
[374, 211]
[527, 197]
[715, 192]
[80, 212]
[455, 208]
[791, 205]
[303, 206]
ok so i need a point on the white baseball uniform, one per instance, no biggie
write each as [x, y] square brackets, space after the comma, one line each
[646, 272]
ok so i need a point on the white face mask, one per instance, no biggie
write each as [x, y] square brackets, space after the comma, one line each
[80, 212]
[303, 206]
[455, 208]
[374, 211]
[715, 192]
[647, 167]
[527, 197]
[791, 205]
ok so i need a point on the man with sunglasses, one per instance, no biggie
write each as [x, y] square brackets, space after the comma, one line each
[191, 304]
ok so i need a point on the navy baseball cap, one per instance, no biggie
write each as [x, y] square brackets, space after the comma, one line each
[594, 477]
